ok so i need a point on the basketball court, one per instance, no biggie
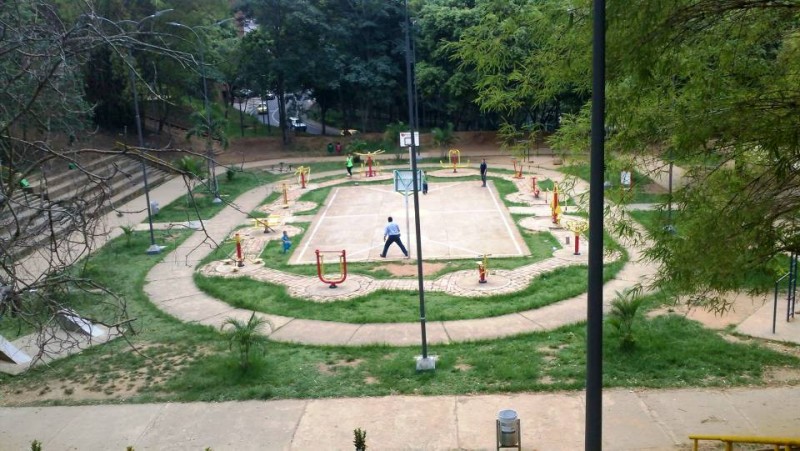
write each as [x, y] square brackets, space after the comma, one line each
[458, 219]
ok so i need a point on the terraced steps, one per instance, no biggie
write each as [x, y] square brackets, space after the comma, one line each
[57, 200]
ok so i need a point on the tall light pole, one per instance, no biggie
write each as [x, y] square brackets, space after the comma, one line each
[154, 248]
[593, 439]
[212, 165]
[424, 362]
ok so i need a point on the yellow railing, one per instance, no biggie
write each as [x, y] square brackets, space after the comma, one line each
[777, 442]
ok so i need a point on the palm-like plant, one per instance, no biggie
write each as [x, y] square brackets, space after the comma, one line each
[208, 127]
[623, 314]
[244, 336]
[127, 230]
[443, 138]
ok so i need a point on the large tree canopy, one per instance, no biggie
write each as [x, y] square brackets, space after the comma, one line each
[51, 53]
[708, 84]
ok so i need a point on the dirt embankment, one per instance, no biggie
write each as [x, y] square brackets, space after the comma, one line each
[272, 147]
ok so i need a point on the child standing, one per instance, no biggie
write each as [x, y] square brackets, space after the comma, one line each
[286, 243]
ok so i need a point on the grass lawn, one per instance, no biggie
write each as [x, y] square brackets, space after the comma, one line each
[201, 203]
[617, 194]
[399, 306]
[179, 362]
[174, 361]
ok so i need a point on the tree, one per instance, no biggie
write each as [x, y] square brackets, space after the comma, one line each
[516, 51]
[282, 47]
[443, 138]
[447, 88]
[44, 112]
[706, 83]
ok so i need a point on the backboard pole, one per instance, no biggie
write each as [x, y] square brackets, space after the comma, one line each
[424, 363]
[408, 227]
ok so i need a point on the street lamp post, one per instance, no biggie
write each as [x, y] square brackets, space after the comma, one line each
[424, 362]
[212, 166]
[154, 248]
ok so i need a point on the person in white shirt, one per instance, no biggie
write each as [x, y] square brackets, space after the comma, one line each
[391, 234]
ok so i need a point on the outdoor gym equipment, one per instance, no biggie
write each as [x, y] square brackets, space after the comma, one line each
[535, 188]
[239, 256]
[555, 208]
[577, 227]
[369, 163]
[454, 160]
[303, 173]
[483, 269]
[791, 291]
[517, 168]
[321, 267]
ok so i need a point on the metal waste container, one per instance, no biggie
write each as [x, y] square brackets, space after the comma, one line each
[508, 433]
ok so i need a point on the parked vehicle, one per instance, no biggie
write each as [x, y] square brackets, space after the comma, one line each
[297, 124]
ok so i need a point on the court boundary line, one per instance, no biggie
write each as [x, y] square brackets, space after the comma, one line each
[318, 224]
[365, 250]
[503, 217]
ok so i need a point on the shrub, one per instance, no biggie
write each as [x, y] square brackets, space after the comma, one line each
[360, 439]
[244, 336]
[623, 315]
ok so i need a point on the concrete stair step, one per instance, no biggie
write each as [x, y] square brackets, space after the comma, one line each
[121, 180]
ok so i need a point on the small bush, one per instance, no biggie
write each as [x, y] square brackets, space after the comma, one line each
[360, 439]
[244, 336]
[623, 315]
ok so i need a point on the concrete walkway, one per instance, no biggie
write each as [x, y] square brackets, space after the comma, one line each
[170, 286]
[632, 420]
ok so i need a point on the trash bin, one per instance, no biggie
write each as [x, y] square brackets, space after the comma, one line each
[507, 429]
[154, 208]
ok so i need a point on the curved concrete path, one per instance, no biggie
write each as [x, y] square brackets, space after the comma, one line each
[170, 286]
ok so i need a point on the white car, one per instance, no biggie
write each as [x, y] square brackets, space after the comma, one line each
[297, 124]
[262, 108]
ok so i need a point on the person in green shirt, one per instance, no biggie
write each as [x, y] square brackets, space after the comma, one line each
[349, 165]
[25, 185]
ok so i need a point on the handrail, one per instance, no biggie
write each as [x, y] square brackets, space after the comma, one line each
[729, 440]
[775, 302]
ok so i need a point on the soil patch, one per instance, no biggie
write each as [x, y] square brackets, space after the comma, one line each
[242, 150]
[742, 306]
[410, 269]
[330, 368]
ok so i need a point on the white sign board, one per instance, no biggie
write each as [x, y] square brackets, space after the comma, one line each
[404, 182]
[405, 139]
[625, 179]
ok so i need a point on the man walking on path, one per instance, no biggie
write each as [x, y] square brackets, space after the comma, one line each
[484, 168]
[391, 234]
